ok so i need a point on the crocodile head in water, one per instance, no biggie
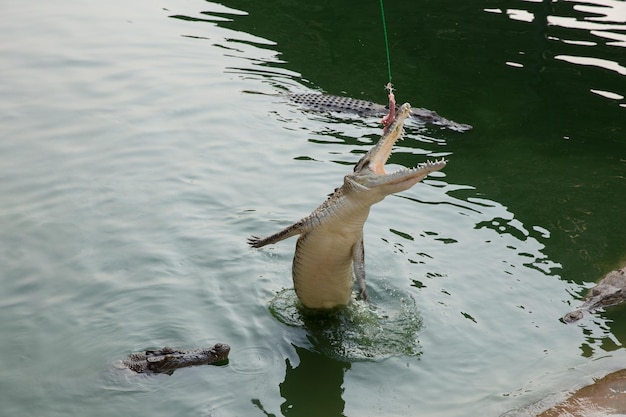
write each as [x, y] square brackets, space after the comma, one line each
[369, 176]
[167, 360]
[610, 291]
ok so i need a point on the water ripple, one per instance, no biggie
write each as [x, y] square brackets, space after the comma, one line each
[253, 360]
[387, 327]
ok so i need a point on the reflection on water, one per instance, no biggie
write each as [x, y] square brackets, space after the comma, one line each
[316, 383]
[597, 62]
[604, 19]
[583, 24]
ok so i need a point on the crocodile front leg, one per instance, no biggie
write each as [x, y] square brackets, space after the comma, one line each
[294, 229]
[358, 265]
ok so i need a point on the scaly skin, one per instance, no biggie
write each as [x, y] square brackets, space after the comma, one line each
[330, 103]
[167, 360]
[330, 247]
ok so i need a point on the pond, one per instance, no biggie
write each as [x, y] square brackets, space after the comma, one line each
[141, 143]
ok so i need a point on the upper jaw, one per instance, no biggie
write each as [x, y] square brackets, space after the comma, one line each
[374, 160]
[370, 170]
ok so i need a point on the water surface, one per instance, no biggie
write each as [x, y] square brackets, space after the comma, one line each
[136, 158]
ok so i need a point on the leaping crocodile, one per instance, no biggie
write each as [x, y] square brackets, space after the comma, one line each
[330, 247]
[330, 103]
[167, 360]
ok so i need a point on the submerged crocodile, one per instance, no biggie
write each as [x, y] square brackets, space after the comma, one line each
[330, 247]
[610, 291]
[167, 360]
[330, 103]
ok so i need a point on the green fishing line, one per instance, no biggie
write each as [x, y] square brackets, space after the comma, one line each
[382, 11]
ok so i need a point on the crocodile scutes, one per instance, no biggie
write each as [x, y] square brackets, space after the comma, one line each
[168, 359]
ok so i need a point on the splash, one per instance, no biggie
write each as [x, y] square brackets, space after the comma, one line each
[388, 326]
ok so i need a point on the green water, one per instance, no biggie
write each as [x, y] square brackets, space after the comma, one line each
[141, 143]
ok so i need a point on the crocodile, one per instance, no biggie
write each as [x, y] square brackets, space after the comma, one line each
[167, 360]
[330, 248]
[610, 291]
[331, 103]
